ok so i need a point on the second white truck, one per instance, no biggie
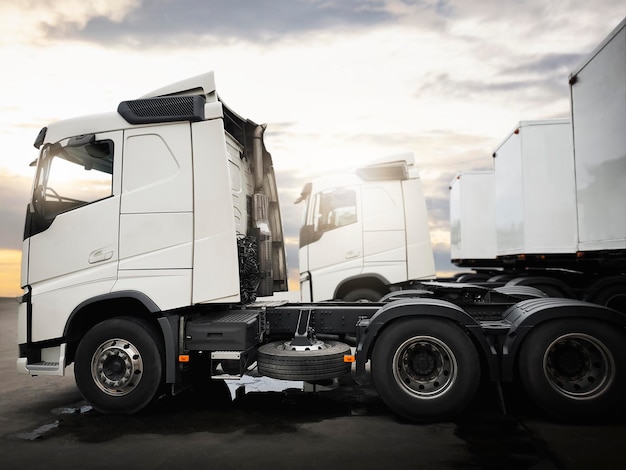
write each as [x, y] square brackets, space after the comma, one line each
[364, 233]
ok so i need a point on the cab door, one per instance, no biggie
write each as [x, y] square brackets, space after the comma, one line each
[331, 241]
[72, 227]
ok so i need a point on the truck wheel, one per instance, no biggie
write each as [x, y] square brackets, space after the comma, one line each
[613, 297]
[425, 368]
[363, 295]
[118, 365]
[279, 361]
[575, 369]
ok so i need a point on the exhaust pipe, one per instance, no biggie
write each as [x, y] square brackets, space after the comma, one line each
[257, 156]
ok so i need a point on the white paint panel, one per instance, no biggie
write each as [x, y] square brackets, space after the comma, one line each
[156, 241]
[535, 193]
[420, 258]
[382, 246]
[168, 289]
[54, 300]
[382, 206]
[509, 197]
[472, 216]
[325, 280]
[157, 170]
[215, 258]
[599, 116]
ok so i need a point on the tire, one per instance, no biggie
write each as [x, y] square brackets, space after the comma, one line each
[575, 369]
[425, 369]
[276, 360]
[613, 297]
[363, 295]
[118, 366]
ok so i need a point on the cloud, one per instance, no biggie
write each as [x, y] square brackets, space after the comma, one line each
[31, 20]
[533, 80]
[176, 21]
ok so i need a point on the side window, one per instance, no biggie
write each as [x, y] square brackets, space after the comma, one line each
[333, 209]
[73, 175]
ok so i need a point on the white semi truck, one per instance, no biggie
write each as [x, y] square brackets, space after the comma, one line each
[364, 233]
[151, 231]
[557, 191]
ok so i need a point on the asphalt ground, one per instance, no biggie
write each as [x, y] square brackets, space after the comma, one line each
[45, 424]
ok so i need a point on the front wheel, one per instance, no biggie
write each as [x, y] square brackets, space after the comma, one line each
[425, 369]
[118, 365]
[575, 369]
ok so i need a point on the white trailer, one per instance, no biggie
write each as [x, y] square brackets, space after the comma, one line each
[151, 231]
[598, 98]
[534, 193]
[560, 187]
[472, 217]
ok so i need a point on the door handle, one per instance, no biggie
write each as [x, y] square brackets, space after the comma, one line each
[98, 256]
[353, 254]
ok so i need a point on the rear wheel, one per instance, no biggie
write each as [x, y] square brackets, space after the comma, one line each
[613, 297]
[118, 365]
[575, 369]
[425, 368]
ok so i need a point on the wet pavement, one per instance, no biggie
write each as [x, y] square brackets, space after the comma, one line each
[44, 424]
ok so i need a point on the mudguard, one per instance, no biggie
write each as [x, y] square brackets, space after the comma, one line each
[368, 330]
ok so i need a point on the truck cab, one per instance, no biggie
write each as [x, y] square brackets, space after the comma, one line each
[364, 232]
[128, 213]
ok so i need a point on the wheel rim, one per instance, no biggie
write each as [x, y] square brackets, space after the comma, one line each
[425, 367]
[579, 366]
[117, 367]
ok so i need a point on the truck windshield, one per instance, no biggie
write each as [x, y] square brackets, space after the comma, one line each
[72, 175]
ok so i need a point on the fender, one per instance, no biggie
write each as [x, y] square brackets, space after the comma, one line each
[357, 278]
[535, 281]
[528, 314]
[146, 301]
[369, 329]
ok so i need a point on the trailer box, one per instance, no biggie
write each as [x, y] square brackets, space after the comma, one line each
[472, 217]
[598, 97]
[535, 205]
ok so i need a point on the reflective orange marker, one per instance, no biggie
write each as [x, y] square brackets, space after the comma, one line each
[183, 358]
[349, 359]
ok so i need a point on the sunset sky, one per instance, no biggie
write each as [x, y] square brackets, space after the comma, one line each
[339, 82]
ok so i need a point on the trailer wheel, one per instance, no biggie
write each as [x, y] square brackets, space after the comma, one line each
[575, 369]
[425, 369]
[279, 361]
[118, 365]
